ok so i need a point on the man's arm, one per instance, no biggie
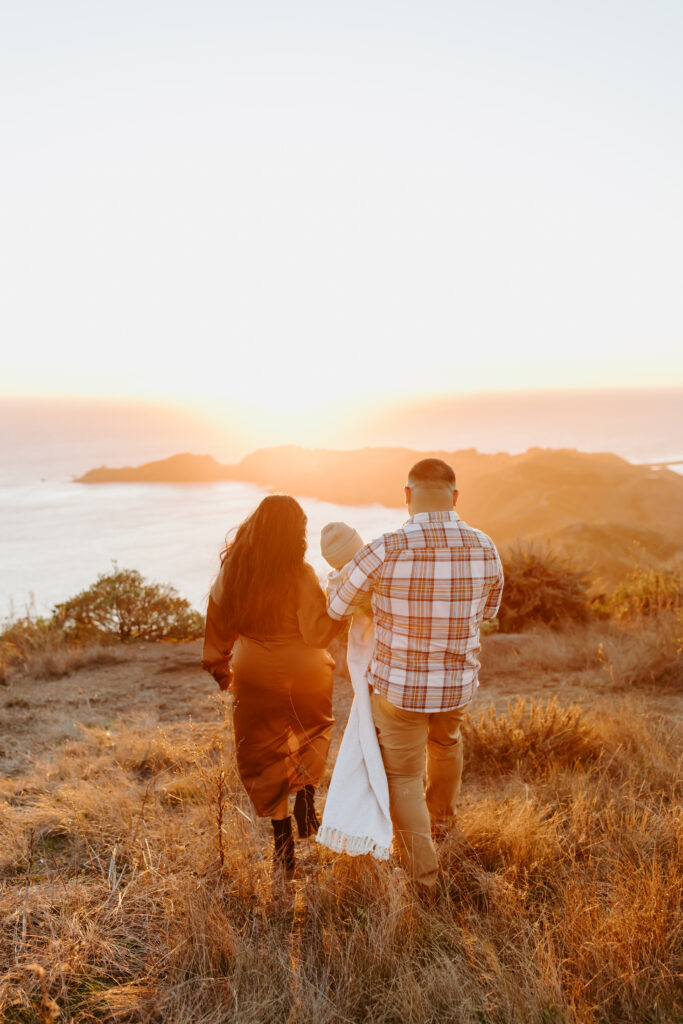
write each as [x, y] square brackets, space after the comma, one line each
[355, 581]
[493, 601]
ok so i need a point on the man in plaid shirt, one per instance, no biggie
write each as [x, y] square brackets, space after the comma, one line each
[431, 583]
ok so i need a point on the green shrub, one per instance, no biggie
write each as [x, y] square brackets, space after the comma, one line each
[542, 587]
[647, 592]
[123, 605]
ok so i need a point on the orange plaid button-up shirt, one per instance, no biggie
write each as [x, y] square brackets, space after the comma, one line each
[432, 582]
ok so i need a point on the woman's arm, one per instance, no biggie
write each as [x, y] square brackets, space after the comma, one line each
[218, 644]
[317, 628]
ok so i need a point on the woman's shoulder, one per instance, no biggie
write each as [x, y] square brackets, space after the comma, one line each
[309, 577]
[310, 588]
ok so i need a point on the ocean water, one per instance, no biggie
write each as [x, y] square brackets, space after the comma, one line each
[56, 536]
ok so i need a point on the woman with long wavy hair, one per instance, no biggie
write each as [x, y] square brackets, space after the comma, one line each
[266, 633]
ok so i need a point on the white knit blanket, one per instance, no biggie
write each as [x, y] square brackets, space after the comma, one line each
[356, 817]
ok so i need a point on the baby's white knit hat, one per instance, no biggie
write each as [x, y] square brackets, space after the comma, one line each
[339, 542]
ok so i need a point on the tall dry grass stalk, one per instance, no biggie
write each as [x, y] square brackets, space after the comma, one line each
[560, 899]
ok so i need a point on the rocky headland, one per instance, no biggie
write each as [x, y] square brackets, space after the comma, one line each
[610, 512]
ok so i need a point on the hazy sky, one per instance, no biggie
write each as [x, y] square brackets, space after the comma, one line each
[286, 202]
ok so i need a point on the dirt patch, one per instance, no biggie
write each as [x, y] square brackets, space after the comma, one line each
[161, 684]
[158, 685]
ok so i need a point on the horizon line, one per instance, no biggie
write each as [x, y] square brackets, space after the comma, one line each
[386, 397]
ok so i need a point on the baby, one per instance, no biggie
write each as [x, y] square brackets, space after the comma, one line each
[339, 542]
[357, 818]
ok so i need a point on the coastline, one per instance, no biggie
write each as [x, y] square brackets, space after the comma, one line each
[55, 538]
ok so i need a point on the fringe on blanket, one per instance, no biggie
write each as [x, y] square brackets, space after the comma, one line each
[353, 845]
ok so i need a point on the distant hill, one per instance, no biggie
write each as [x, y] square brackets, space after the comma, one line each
[611, 550]
[178, 469]
[610, 511]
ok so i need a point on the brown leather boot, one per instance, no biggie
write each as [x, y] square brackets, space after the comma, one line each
[307, 821]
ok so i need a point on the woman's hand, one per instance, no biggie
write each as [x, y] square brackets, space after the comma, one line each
[225, 681]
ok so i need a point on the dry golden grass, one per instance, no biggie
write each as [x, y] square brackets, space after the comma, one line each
[560, 898]
[30, 647]
[645, 653]
[58, 660]
[647, 592]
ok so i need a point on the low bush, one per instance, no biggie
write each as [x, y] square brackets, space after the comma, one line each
[119, 606]
[542, 587]
[530, 738]
[122, 605]
[647, 593]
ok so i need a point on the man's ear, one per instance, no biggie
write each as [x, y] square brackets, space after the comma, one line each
[455, 497]
[406, 491]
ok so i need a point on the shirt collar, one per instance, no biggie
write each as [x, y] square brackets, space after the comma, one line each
[435, 517]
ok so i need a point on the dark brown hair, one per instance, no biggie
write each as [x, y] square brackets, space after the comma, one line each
[433, 472]
[262, 565]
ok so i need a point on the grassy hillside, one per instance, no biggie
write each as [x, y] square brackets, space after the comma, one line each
[135, 884]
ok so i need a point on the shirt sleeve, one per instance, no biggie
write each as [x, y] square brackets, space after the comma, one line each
[495, 594]
[355, 581]
[218, 644]
[317, 628]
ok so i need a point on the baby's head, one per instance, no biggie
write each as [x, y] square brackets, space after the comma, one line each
[339, 543]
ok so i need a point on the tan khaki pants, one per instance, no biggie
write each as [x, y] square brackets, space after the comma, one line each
[404, 736]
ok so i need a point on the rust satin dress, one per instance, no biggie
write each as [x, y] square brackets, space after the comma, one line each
[282, 687]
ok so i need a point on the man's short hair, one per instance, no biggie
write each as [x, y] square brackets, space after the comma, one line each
[431, 473]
